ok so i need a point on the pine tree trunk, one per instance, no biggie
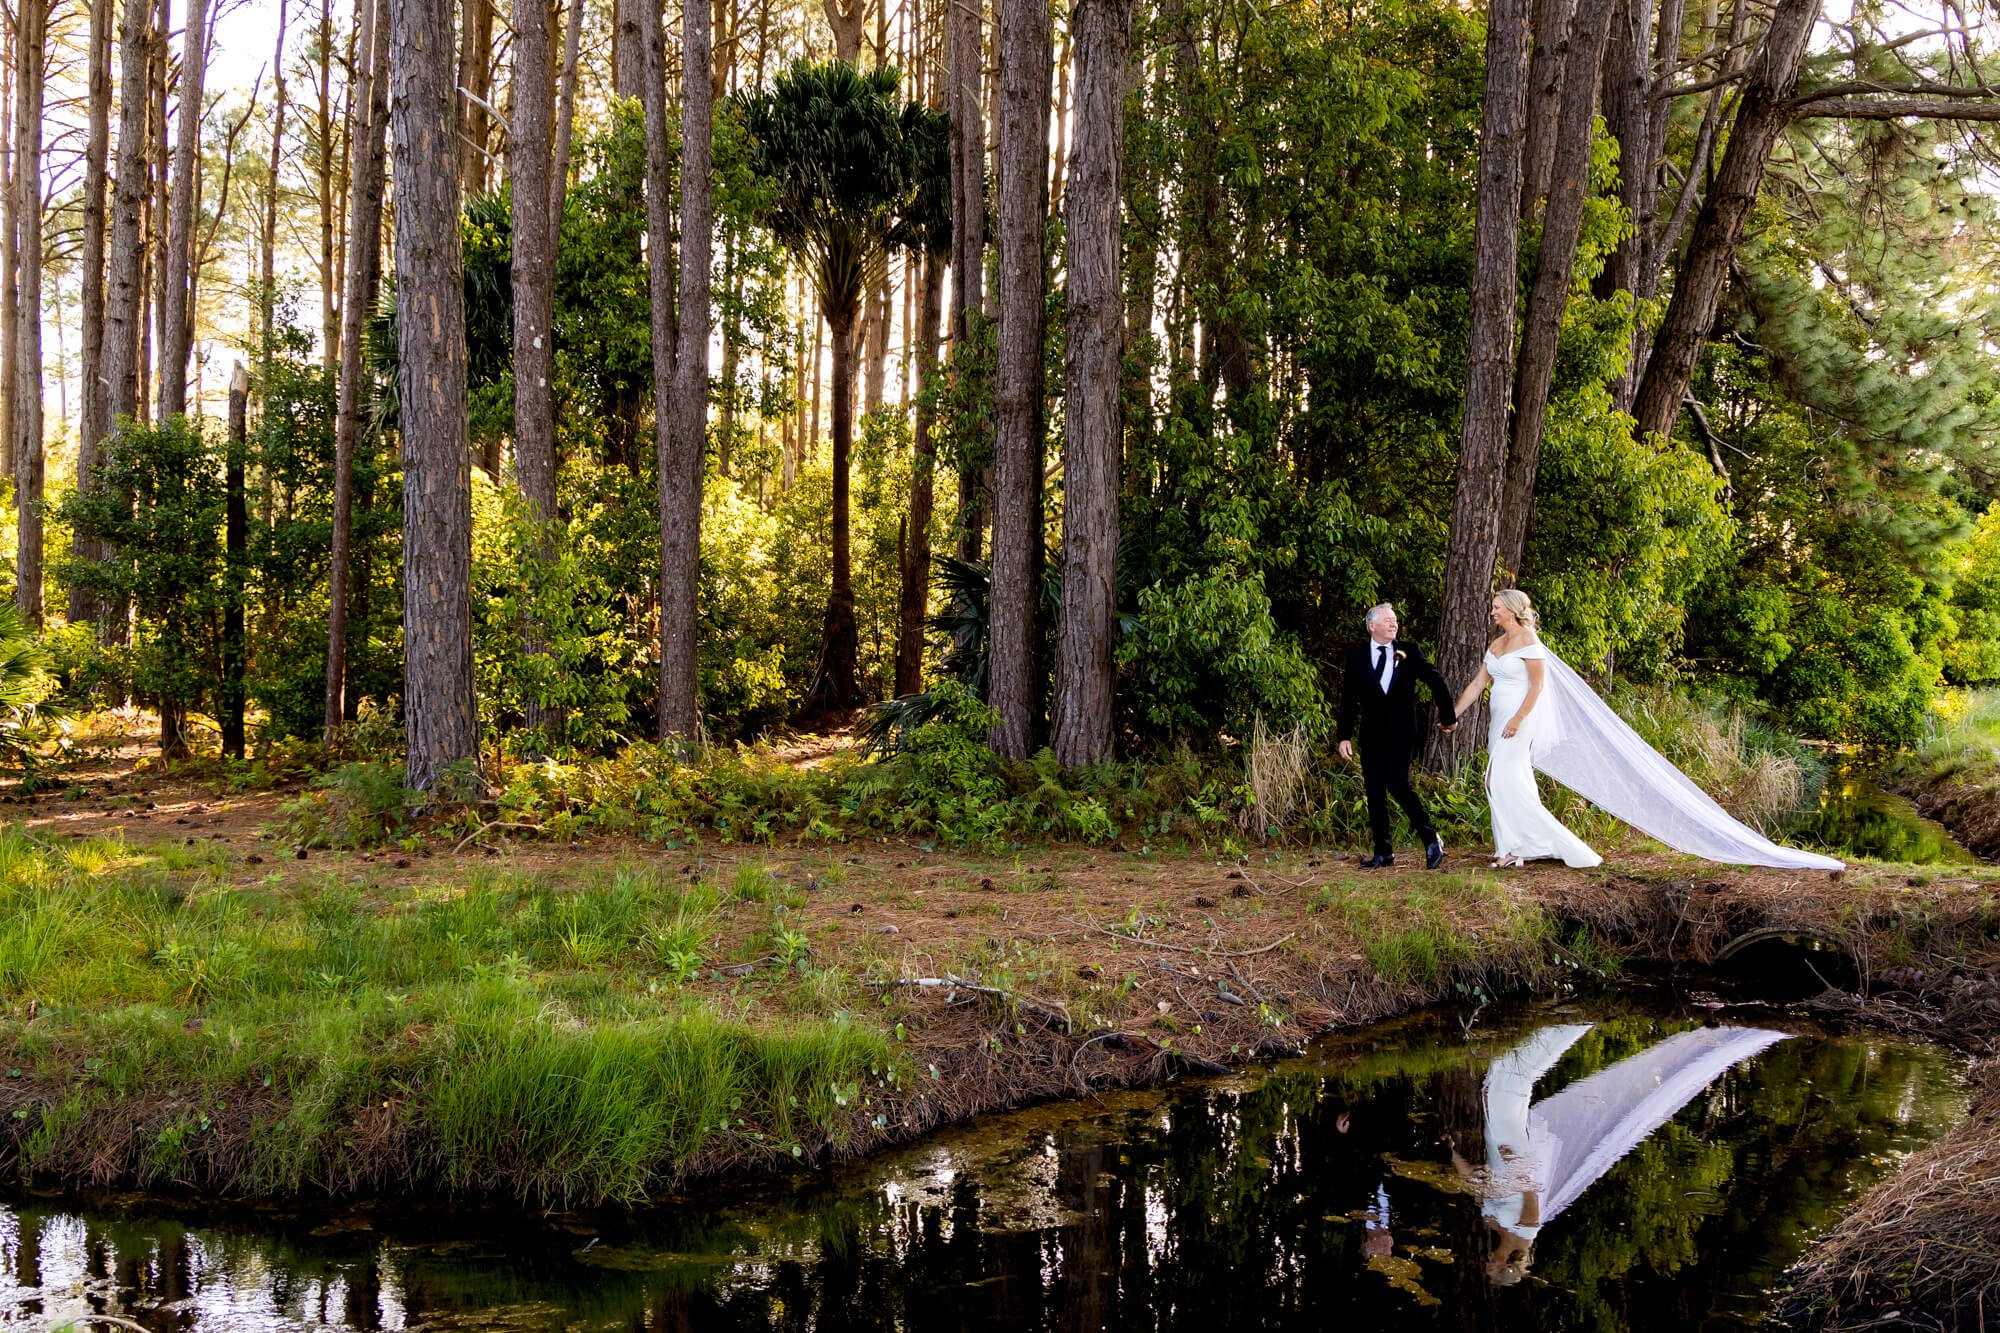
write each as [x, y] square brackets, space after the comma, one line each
[1548, 66]
[836, 690]
[10, 256]
[876, 361]
[1093, 360]
[329, 315]
[1761, 116]
[565, 115]
[1022, 193]
[364, 267]
[916, 571]
[1562, 224]
[176, 324]
[267, 286]
[965, 105]
[95, 418]
[629, 45]
[125, 295]
[685, 414]
[529, 161]
[661, 277]
[156, 216]
[440, 717]
[475, 75]
[1482, 453]
[236, 539]
[1143, 190]
[31, 52]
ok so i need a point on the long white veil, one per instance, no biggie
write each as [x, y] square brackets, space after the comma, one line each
[1595, 1121]
[1590, 749]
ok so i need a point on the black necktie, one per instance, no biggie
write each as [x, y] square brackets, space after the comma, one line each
[1381, 655]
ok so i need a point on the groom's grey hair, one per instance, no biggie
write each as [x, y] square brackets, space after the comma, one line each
[1368, 621]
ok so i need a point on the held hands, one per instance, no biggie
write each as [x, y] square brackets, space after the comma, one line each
[1347, 749]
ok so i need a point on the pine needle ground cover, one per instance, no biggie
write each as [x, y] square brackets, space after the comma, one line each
[572, 1024]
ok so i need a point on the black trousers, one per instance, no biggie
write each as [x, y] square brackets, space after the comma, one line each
[1385, 772]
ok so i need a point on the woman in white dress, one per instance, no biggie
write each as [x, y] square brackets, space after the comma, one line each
[1516, 666]
[1547, 719]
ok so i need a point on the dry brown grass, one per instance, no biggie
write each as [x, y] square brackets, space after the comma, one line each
[1277, 767]
[1923, 1250]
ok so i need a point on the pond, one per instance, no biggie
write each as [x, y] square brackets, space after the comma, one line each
[1856, 816]
[1584, 1165]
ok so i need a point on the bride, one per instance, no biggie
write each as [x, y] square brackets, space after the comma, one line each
[1544, 716]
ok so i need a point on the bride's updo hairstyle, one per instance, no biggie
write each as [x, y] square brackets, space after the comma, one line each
[1520, 608]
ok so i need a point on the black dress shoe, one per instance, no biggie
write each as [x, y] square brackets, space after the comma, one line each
[1379, 861]
[1434, 853]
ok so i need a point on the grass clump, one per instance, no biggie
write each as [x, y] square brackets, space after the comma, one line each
[500, 1034]
[1441, 932]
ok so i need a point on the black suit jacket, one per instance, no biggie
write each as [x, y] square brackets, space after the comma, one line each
[1389, 717]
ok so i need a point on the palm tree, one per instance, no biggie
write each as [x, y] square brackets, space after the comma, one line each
[846, 173]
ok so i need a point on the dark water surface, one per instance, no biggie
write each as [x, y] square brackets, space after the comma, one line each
[1857, 816]
[1667, 1165]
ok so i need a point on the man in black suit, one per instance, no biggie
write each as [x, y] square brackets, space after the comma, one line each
[1378, 699]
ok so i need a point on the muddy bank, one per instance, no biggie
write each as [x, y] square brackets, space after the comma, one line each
[997, 986]
[1967, 802]
[1921, 1250]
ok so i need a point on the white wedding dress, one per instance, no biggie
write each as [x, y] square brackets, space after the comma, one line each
[1522, 825]
[1575, 738]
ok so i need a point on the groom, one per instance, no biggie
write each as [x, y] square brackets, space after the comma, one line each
[1380, 694]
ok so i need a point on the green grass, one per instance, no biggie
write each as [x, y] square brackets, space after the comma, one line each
[1439, 931]
[500, 1034]
[1961, 739]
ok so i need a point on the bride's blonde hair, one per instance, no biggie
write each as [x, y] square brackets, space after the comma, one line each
[1520, 607]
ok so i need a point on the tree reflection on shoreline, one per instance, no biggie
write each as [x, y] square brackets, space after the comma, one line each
[1316, 1193]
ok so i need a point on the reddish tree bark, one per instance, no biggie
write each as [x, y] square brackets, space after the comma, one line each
[475, 77]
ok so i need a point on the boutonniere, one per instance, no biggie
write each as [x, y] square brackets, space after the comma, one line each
[1400, 655]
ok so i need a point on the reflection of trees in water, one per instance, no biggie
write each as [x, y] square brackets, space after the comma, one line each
[1238, 1211]
[1719, 1199]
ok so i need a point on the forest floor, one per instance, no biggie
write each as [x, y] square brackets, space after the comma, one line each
[1004, 977]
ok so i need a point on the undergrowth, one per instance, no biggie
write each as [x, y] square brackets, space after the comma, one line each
[944, 786]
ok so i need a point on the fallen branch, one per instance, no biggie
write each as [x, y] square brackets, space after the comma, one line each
[484, 829]
[1244, 982]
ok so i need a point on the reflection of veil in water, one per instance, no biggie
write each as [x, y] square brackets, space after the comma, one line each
[1542, 1157]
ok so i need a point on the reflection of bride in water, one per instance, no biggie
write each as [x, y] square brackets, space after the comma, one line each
[1540, 1156]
